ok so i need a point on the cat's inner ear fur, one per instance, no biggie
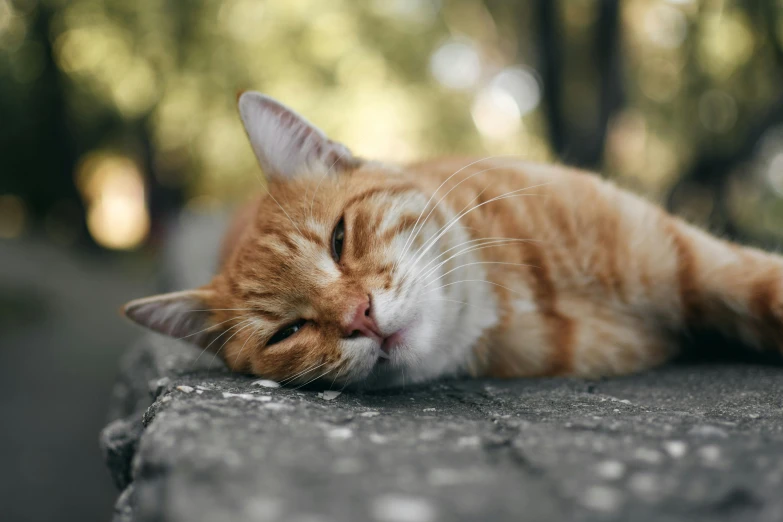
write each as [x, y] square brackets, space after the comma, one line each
[182, 315]
[286, 144]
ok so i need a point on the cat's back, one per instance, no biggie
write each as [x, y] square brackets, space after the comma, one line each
[500, 167]
[462, 176]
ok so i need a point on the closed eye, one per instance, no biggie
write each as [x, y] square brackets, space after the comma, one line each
[286, 332]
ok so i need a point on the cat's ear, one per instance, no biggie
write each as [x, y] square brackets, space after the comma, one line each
[285, 143]
[182, 315]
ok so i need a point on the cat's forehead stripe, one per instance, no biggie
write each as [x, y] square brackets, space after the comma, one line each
[390, 191]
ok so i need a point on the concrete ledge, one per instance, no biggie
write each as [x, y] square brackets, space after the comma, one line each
[191, 442]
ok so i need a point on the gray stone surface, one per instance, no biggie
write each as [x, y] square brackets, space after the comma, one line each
[193, 443]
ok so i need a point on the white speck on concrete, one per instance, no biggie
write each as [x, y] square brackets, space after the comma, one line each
[429, 409]
[615, 399]
[341, 433]
[610, 469]
[199, 392]
[266, 383]
[402, 508]
[329, 395]
[711, 454]
[185, 389]
[469, 442]
[602, 498]
[675, 448]
[369, 414]
[377, 438]
[167, 398]
[648, 455]
[245, 396]
[645, 485]
[709, 431]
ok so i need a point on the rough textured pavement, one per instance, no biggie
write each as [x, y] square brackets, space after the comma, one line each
[193, 443]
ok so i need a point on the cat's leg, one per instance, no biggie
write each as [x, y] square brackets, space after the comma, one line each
[727, 287]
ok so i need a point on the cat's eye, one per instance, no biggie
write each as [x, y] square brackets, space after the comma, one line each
[286, 332]
[338, 238]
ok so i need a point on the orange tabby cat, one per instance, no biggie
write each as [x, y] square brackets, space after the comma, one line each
[352, 272]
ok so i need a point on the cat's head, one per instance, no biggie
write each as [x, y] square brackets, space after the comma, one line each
[332, 278]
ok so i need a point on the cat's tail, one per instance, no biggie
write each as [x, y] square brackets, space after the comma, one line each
[734, 289]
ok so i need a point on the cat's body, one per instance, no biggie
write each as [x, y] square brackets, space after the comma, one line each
[356, 273]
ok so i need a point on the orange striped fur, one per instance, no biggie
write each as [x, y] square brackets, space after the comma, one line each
[484, 267]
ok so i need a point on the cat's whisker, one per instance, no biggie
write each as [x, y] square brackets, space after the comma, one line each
[413, 231]
[421, 275]
[462, 213]
[263, 185]
[245, 321]
[337, 376]
[441, 254]
[253, 334]
[428, 216]
[309, 369]
[474, 281]
[313, 379]
[454, 187]
[452, 301]
[227, 340]
[284, 212]
[223, 310]
[203, 330]
[479, 263]
[426, 269]
[469, 203]
[461, 245]
[454, 221]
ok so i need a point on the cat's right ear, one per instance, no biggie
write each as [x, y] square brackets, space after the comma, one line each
[182, 315]
[287, 145]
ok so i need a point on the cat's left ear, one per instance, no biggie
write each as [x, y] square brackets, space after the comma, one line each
[183, 315]
[286, 144]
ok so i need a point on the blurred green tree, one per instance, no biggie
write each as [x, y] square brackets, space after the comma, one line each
[113, 110]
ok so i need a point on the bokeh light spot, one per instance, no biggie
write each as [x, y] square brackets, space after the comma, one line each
[113, 189]
[496, 113]
[456, 65]
[666, 26]
[522, 85]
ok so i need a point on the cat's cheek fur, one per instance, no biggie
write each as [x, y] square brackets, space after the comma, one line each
[359, 359]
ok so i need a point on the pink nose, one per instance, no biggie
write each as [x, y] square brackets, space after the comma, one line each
[362, 323]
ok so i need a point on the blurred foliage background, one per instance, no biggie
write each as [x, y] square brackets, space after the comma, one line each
[115, 115]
